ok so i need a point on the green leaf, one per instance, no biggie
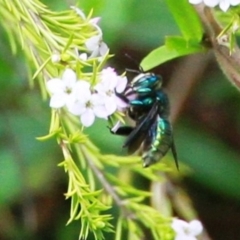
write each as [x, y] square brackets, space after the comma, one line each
[186, 18]
[183, 45]
[41, 68]
[174, 47]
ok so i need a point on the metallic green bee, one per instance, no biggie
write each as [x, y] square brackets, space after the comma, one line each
[148, 106]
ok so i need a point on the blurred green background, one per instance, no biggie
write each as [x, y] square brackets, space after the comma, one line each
[206, 128]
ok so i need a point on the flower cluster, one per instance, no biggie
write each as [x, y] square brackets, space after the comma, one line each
[223, 4]
[84, 100]
[185, 230]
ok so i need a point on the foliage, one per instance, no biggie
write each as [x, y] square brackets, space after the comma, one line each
[95, 180]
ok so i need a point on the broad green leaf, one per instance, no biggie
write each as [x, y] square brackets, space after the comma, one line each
[186, 18]
[182, 45]
[175, 47]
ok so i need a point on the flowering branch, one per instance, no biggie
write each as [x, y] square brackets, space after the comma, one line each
[68, 55]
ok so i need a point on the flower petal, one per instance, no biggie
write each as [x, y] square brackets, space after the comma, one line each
[121, 84]
[224, 5]
[93, 43]
[82, 91]
[97, 99]
[234, 2]
[120, 103]
[211, 3]
[87, 118]
[108, 72]
[69, 77]
[57, 100]
[178, 226]
[100, 111]
[110, 105]
[184, 237]
[195, 1]
[95, 53]
[95, 20]
[82, 84]
[77, 108]
[195, 227]
[103, 49]
[70, 99]
[55, 85]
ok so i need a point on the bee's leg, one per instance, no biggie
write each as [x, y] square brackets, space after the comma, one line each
[122, 131]
[118, 129]
[122, 97]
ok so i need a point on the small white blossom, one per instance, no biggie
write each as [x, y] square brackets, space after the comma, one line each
[62, 90]
[111, 82]
[87, 105]
[185, 230]
[223, 4]
[96, 46]
[209, 3]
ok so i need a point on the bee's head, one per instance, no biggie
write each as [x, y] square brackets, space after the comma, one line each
[147, 80]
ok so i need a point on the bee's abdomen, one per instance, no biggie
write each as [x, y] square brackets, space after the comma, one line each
[161, 142]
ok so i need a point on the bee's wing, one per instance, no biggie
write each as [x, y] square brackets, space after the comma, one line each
[140, 132]
[174, 151]
[151, 134]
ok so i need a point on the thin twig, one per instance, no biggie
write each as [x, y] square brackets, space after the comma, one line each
[107, 186]
[229, 63]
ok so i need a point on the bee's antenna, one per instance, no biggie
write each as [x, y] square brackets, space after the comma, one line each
[136, 63]
[132, 70]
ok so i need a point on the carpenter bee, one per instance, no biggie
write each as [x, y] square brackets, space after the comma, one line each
[148, 106]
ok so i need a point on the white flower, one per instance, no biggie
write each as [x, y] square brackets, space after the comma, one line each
[111, 82]
[209, 3]
[62, 90]
[87, 105]
[185, 230]
[96, 46]
[223, 4]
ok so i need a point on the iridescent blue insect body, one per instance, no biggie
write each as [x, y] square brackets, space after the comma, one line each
[149, 108]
